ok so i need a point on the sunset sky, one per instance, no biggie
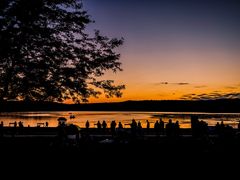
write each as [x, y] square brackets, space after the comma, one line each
[173, 49]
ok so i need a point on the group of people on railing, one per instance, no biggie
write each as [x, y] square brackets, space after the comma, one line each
[170, 129]
[199, 128]
[20, 124]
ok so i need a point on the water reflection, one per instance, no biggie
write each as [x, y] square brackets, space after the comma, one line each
[34, 118]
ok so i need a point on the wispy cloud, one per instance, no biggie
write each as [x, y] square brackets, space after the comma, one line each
[200, 86]
[161, 83]
[231, 87]
[181, 83]
[168, 83]
[188, 96]
[212, 96]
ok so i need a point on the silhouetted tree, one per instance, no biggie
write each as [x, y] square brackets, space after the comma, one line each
[46, 53]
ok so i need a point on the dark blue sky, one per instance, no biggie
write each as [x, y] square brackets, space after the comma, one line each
[148, 19]
[173, 41]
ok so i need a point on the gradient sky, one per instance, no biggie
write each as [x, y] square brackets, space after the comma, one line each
[174, 49]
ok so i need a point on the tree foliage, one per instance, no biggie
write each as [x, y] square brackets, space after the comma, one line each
[46, 54]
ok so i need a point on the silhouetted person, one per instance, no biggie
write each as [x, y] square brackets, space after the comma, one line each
[14, 128]
[20, 124]
[99, 126]
[217, 129]
[139, 124]
[62, 134]
[238, 125]
[104, 126]
[161, 126]
[120, 130]
[169, 128]
[1, 129]
[195, 126]
[120, 126]
[148, 126]
[133, 127]
[176, 129]
[139, 128]
[156, 127]
[15, 124]
[86, 134]
[203, 128]
[73, 131]
[222, 129]
[46, 124]
[87, 124]
[113, 127]
[222, 125]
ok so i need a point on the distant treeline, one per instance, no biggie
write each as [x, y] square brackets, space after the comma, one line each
[225, 105]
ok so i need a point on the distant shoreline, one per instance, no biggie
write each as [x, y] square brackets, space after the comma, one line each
[208, 106]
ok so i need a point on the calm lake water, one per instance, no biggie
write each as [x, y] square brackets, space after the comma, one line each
[33, 118]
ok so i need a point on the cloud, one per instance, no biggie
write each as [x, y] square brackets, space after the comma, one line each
[167, 83]
[188, 96]
[212, 96]
[163, 83]
[181, 83]
[201, 86]
[231, 87]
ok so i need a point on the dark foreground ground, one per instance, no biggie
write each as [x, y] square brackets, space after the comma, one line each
[94, 142]
[99, 154]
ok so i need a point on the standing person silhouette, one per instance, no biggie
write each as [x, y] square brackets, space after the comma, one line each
[113, 127]
[99, 126]
[161, 126]
[104, 126]
[87, 124]
[1, 129]
[148, 125]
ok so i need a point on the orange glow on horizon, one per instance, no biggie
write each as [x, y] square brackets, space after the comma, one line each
[171, 91]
